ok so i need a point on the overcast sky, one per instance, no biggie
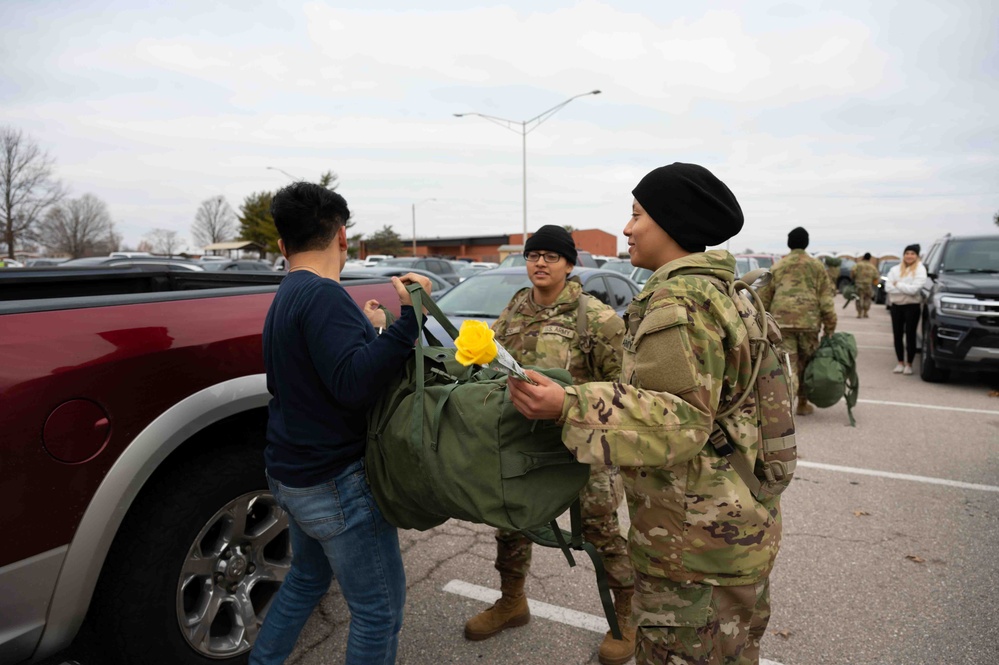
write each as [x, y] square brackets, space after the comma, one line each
[872, 124]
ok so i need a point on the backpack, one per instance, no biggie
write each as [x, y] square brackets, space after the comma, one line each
[831, 374]
[445, 441]
[771, 391]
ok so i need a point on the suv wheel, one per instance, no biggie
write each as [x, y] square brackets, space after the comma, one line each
[195, 565]
[929, 371]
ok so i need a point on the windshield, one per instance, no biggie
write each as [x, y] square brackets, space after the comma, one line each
[469, 271]
[397, 262]
[971, 256]
[623, 267]
[641, 276]
[484, 296]
[741, 266]
[887, 265]
[765, 262]
[513, 261]
[212, 266]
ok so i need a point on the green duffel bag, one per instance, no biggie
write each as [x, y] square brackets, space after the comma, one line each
[831, 374]
[445, 441]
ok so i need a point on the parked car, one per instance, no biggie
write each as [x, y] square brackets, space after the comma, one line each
[880, 296]
[484, 296]
[745, 263]
[241, 264]
[623, 266]
[43, 263]
[146, 262]
[439, 284]
[470, 271]
[765, 261]
[134, 418]
[960, 321]
[374, 259]
[440, 267]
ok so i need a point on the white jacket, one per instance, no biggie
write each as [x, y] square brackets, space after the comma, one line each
[905, 290]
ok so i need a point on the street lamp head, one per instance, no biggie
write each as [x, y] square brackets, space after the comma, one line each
[595, 92]
[458, 115]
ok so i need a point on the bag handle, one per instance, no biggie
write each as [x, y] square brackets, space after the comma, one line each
[417, 294]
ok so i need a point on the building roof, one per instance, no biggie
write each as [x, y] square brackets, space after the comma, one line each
[234, 244]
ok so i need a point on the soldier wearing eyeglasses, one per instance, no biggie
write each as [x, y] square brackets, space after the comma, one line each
[540, 327]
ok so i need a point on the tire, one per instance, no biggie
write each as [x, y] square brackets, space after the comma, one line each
[195, 565]
[929, 371]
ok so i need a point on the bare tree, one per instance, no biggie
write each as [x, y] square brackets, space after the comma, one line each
[164, 241]
[214, 222]
[79, 227]
[27, 186]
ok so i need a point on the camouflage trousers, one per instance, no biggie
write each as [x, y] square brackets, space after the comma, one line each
[599, 501]
[800, 345]
[863, 302]
[735, 623]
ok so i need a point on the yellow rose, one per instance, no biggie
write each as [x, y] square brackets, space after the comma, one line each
[475, 344]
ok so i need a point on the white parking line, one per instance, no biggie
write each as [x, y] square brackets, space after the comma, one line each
[928, 406]
[898, 476]
[543, 610]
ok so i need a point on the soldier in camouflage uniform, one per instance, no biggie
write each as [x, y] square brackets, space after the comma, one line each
[800, 299]
[865, 277]
[539, 327]
[701, 544]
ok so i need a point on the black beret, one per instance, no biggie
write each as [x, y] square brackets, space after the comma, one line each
[694, 207]
[553, 239]
[797, 238]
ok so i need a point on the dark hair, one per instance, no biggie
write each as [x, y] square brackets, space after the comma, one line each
[308, 216]
[867, 256]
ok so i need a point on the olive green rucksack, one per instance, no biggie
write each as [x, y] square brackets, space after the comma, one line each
[445, 441]
[831, 374]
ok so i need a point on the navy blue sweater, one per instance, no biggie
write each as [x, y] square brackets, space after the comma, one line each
[325, 365]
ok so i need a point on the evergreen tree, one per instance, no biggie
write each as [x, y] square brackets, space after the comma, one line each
[256, 223]
[385, 241]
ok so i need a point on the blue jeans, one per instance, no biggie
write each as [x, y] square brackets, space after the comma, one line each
[337, 531]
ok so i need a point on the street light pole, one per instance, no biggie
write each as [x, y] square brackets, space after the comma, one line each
[521, 127]
[274, 168]
[414, 223]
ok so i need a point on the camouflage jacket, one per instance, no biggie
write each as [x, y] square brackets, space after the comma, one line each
[686, 354]
[833, 273]
[546, 336]
[799, 296]
[865, 276]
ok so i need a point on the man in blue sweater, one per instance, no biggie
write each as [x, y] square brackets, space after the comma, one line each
[325, 365]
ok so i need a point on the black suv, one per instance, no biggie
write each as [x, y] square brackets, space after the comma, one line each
[961, 306]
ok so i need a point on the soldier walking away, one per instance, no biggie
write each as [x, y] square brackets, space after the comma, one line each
[865, 277]
[540, 327]
[799, 298]
[701, 542]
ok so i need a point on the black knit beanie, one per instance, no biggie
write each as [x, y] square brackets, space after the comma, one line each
[867, 256]
[553, 239]
[912, 248]
[694, 207]
[797, 238]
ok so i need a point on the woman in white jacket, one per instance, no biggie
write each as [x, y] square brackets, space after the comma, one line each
[903, 285]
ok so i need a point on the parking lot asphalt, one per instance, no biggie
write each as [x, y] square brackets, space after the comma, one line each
[891, 530]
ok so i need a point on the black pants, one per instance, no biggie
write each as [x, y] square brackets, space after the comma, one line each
[905, 318]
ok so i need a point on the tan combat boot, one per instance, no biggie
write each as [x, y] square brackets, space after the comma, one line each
[616, 652]
[508, 612]
[804, 408]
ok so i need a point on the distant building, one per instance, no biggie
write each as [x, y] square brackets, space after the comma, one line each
[497, 247]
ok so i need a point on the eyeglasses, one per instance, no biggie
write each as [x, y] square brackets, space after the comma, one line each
[549, 257]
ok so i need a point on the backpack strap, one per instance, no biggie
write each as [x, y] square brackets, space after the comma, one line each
[583, 337]
[553, 536]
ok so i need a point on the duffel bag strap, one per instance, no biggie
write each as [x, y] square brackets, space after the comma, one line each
[421, 301]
